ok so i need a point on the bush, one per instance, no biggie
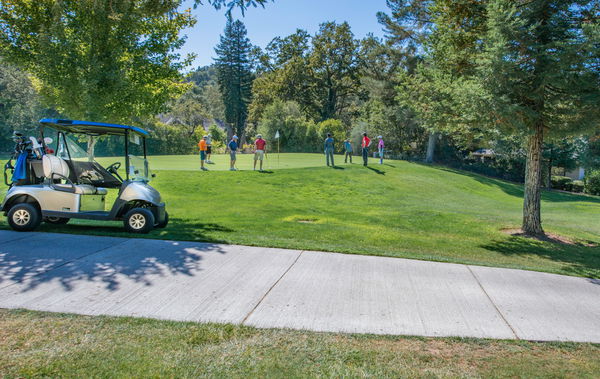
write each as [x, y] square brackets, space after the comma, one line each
[561, 183]
[577, 186]
[592, 183]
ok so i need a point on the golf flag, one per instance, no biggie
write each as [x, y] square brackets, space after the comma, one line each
[277, 134]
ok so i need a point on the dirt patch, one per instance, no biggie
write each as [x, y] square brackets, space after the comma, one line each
[306, 221]
[549, 237]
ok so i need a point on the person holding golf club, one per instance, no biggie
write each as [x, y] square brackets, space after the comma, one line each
[259, 151]
[329, 149]
[202, 146]
[208, 148]
[348, 148]
[366, 142]
[232, 146]
[380, 148]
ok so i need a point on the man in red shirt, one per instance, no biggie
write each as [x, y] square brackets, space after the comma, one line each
[366, 142]
[259, 150]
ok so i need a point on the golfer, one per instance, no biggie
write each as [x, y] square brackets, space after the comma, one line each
[202, 146]
[259, 151]
[208, 148]
[329, 149]
[233, 146]
[380, 148]
[366, 142]
[348, 147]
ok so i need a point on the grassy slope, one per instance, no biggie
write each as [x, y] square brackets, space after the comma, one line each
[399, 209]
[35, 344]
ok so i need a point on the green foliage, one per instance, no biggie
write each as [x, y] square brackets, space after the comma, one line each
[218, 135]
[20, 107]
[296, 133]
[592, 183]
[102, 60]
[318, 73]
[561, 182]
[577, 186]
[171, 139]
[235, 74]
[337, 130]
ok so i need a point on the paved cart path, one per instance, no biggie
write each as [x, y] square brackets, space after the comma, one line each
[280, 288]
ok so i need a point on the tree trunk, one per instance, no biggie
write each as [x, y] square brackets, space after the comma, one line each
[431, 147]
[532, 222]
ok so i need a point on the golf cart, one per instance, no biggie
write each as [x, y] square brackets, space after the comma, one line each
[70, 184]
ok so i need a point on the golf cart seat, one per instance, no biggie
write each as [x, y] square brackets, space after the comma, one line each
[56, 168]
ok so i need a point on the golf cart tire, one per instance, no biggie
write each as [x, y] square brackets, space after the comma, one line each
[139, 221]
[164, 222]
[56, 220]
[24, 217]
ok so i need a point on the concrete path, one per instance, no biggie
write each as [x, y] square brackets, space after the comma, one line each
[291, 289]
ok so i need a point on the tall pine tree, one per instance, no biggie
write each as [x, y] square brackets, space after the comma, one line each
[234, 69]
[539, 74]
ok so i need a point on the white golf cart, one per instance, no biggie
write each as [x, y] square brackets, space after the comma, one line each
[70, 184]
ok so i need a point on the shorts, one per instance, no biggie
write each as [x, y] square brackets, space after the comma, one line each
[208, 149]
[259, 155]
[202, 155]
[232, 155]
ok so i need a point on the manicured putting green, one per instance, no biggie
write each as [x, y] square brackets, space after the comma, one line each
[272, 161]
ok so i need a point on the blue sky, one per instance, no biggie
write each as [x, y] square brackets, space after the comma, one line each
[280, 18]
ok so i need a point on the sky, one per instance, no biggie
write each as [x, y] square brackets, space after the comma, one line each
[279, 18]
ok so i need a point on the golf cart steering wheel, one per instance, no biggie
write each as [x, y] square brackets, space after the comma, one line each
[114, 167]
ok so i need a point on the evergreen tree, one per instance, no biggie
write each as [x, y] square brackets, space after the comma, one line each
[234, 69]
[538, 74]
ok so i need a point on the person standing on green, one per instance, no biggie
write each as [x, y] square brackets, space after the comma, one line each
[329, 149]
[366, 142]
[348, 147]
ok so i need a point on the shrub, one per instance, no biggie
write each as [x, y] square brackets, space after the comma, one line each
[561, 182]
[577, 186]
[592, 183]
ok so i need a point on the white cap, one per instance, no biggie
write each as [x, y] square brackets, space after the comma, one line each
[379, 137]
[258, 136]
[234, 137]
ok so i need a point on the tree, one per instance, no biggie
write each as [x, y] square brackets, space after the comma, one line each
[295, 132]
[523, 68]
[234, 73]
[334, 66]
[20, 108]
[102, 59]
[539, 73]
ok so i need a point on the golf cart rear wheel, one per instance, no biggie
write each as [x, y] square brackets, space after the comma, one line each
[164, 223]
[24, 217]
[56, 220]
[139, 220]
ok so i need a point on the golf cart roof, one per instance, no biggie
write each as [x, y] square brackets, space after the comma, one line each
[90, 127]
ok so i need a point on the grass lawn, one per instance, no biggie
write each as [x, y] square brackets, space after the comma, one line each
[36, 344]
[398, 209]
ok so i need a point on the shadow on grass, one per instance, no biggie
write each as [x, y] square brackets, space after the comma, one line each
[579, 260]
[376, 170]
[75, 258]
[337, 167]
[265, 172]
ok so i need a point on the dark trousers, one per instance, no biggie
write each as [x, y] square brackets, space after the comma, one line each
[329, 155]
[348, 154]
[365, 154]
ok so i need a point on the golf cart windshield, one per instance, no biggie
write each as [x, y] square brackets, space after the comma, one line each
[78, 152]
[121, 147]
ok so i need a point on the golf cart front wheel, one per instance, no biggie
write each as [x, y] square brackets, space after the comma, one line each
[24, 217]
[164, 222]
[139, 220]
[56, 220]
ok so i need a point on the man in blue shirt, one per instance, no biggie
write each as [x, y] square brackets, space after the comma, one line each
[233, 146]
[329, 149]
